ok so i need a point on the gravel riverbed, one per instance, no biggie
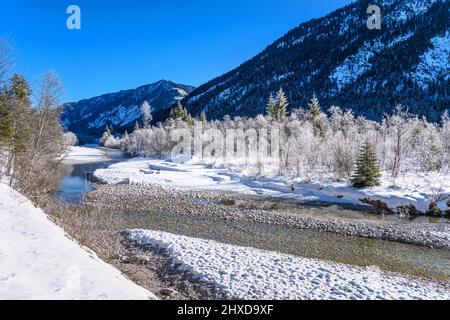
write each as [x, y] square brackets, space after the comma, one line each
[233, 206]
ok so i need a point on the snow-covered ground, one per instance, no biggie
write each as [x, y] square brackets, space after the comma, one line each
[408, 189]
[85, 154]
[248, 273]
[39, 261]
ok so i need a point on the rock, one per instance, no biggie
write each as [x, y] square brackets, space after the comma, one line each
[168, 293]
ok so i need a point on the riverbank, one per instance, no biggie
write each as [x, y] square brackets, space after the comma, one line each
[38, 260]
[409, 194]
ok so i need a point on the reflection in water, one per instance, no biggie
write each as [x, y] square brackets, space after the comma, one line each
[75, 178]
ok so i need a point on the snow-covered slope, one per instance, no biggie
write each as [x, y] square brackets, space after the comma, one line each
[344, 63]
[248, 273]
[39, 261]
[121, 109]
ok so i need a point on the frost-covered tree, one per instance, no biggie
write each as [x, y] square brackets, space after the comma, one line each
[203, 117]
[317, 116]
[146, 114]
[400, 130]
[281, 105]
[272, 111]
[70, 139]
[136, 126]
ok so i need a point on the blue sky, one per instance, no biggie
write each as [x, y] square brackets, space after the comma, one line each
[125, 44]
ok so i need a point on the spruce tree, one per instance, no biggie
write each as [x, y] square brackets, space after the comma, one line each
[282, 104]
[18, 101]
[316, 116]
[314, 108]
[6, 122]
[180, 113]
[367, 173]
[203, 117]
[272, 108]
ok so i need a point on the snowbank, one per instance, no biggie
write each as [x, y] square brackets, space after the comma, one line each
[408, 189]
[248, 273]
[39, 261]
[84, 154]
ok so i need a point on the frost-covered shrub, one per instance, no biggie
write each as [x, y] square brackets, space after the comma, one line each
[314, 143]
[70, 139]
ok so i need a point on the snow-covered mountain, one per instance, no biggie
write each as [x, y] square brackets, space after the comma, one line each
[344, 63]
[121, 109]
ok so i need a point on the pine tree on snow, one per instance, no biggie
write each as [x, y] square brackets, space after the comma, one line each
[367, 172]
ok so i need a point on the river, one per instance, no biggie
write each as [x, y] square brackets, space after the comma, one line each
[390, 256]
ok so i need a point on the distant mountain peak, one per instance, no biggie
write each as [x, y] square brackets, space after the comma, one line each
[121, 109]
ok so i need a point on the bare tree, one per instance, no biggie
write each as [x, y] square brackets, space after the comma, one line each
[399, 124]
[47, 145]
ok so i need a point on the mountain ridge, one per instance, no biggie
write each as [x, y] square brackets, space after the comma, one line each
[335, 57]
[88, 117]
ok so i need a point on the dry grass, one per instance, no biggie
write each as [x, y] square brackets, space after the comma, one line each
[93, 227]
[98, 228]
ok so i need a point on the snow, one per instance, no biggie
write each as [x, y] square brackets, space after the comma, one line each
[434, 63]
[355, 65]
[405, 10]
[118, 116]
[248, 273]
[39, 261]
[85, 154]
[410, 188]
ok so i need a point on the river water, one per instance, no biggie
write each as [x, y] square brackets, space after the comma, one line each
[387, 255]
[75, 177]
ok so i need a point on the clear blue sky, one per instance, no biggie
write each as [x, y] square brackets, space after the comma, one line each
[125, 44]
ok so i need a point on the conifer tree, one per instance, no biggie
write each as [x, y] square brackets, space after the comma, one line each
[282, 104]
[367, 173]
[6, 122]
[19, 98]
[180, 113]
[314, 108]
[203, 117]
[272, 107]
[136, 126]
[316, 116]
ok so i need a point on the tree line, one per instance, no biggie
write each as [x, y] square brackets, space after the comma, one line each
[31, 137]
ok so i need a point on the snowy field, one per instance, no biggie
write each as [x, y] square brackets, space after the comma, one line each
[39, 261]
[248, 273]
[407, 189]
